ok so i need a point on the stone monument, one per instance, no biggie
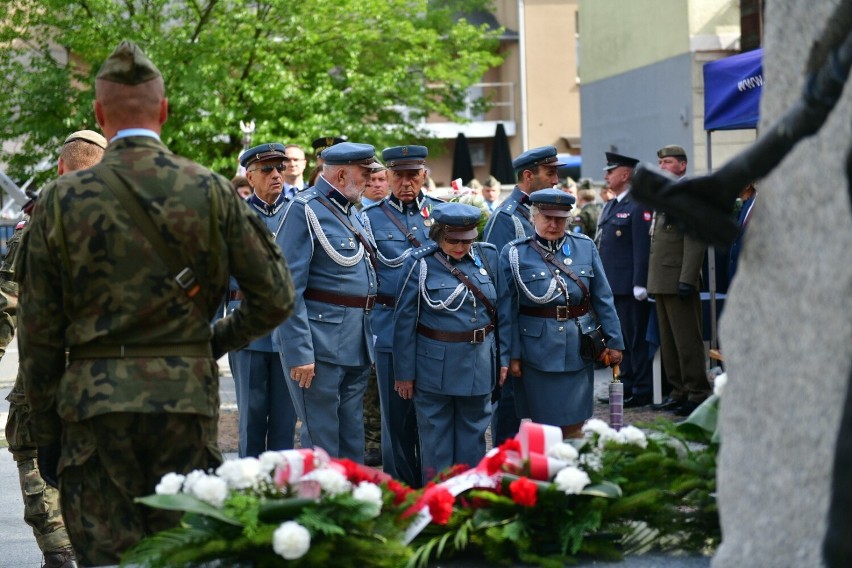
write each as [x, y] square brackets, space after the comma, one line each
[786, 330]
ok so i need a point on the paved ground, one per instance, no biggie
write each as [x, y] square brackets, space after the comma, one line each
[18, 548]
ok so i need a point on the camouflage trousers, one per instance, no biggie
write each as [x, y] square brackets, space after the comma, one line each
[110, 459]
[41, 501]
[372, 414]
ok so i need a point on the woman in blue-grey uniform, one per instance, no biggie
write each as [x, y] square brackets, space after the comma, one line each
[553, 289]
[443, 339]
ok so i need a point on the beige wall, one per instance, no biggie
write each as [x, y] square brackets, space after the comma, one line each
[621, 35]
[553, 94]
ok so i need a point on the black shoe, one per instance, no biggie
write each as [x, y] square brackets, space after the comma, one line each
[669, 404]
[636, 401]
[373, 458]
[63, 558]
[687, 408]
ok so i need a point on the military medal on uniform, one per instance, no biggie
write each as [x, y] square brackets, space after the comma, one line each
[566, 250]
[425, 214]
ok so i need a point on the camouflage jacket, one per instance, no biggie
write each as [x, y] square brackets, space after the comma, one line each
[9, 290]
[88, 276]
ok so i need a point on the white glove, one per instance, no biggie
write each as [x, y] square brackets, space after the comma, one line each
[640, 293]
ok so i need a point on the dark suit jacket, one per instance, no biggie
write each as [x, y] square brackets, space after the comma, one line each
[625, 243]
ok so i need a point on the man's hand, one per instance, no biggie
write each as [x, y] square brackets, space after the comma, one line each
[515, 367]
[684, 291]
[304, 374]
[404, 388]
[48, 463]
[640, 293]
[611, 357]
[504, 372]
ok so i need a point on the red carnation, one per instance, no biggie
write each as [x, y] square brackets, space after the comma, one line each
[400, 491]
[524, 492]
[441, 505]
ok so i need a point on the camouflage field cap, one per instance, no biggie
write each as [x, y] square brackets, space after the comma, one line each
[128, 65]
[89, 136]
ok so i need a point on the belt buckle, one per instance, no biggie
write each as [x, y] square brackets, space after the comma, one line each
[478, 335]
[185, 278]
[561, 313]
[371, 302]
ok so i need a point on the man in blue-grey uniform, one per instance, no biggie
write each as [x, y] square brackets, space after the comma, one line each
[327, 345]
[267, 416]
[625, 241]
[398, 224]
[535, 169]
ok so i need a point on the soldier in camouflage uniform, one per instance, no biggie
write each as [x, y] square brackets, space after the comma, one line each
[141, 365]
[81, 150]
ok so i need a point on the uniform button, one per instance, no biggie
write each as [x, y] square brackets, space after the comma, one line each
[413, 228]
[582, 272]
[561, 328]
[542, 273]
[319, 316]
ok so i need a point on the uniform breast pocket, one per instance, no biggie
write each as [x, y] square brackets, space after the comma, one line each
[440, 287]
[537, 280]
[484, 283]
[389, 244]
[345, 245]
[584, 272]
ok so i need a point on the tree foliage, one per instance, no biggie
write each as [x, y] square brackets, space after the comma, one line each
[370, 69]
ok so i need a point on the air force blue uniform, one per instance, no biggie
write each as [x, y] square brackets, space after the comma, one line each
[327, 258]
[399, 422]
[267, 417]
[558, 383]
[453, 377]
[624, 250]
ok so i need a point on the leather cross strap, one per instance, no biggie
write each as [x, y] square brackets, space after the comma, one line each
[549, 260]
[399, 224]
[492, 311]
[371, 253]
[183, 273]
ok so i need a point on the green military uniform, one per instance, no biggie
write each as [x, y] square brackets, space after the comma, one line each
[587, 219]
[674, 259]
[41, 501]
[139, 394]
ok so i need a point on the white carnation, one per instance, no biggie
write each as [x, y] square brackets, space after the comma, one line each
[564, 452]
[719, 384]
[270, 460]
[571, 480]
[191, 479]
[332, 481]
[170, 484]
[211, 489]
[240, 474]
[371, 494]
[632, 435]
[602, 429]
[291, 540]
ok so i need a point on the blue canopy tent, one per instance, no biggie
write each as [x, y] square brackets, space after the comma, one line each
[732, 90]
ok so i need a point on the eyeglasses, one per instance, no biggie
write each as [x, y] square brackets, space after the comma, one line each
[450, 241]
[268, 169]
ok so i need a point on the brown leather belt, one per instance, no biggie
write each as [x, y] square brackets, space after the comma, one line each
[473, 336]
[386, 300]
[102, 351]
[364, 302]
[235, 295]
[560, 313]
